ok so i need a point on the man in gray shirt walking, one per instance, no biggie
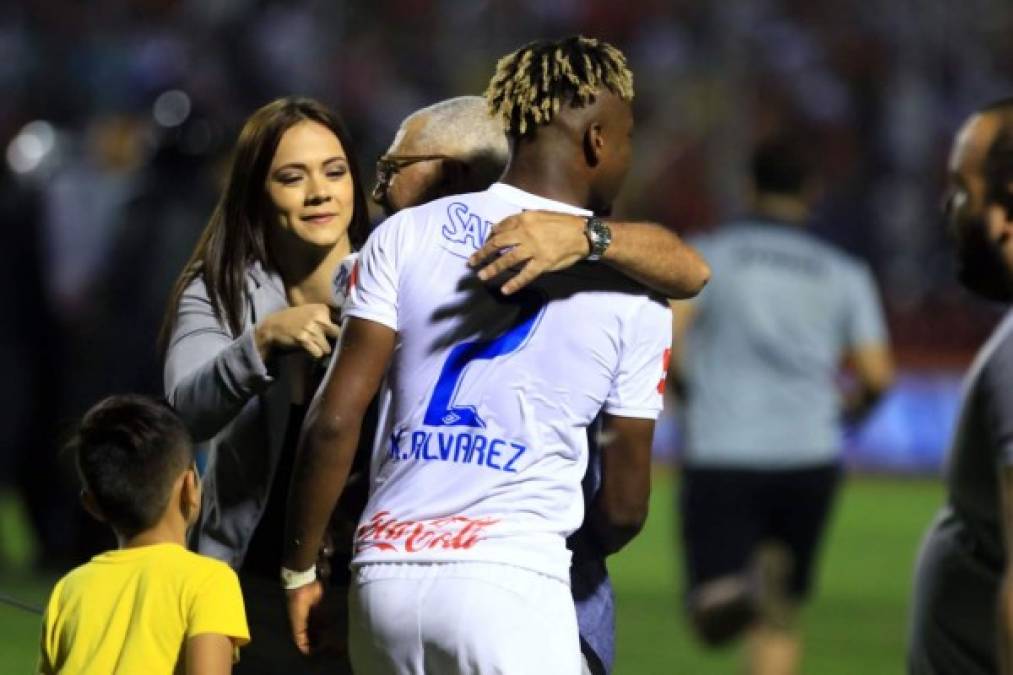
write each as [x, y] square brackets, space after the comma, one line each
[963, 602]
[764, 344]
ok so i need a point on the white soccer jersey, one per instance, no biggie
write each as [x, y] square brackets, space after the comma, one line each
[481, 444]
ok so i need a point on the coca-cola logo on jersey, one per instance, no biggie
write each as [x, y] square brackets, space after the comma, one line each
[387, 533]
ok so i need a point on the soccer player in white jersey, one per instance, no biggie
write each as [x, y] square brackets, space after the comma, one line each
[456, 146]
[461, 563]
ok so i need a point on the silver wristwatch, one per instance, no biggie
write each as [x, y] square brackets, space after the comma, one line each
[599, 235]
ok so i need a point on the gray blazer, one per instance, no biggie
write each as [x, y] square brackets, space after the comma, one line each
[236, 407]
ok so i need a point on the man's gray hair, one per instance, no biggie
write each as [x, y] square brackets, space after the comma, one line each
[462, 128]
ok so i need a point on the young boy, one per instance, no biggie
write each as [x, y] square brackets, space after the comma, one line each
[151, 606]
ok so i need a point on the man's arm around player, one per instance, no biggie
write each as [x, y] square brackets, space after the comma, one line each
[536, 242]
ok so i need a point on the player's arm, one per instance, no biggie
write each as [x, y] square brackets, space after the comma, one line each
[874, 373]
[537, 242]
[326, 450]
[209, 654]
[619, 510]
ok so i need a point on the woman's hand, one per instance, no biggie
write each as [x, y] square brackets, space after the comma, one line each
[305, 327]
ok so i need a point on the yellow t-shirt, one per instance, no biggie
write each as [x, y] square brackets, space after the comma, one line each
[131, 611]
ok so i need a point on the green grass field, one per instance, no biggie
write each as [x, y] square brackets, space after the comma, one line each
[855, 623]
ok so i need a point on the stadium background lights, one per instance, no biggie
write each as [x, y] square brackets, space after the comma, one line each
[171, 108]
[31, 146]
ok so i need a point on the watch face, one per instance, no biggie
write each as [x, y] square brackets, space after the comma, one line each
[599, 235]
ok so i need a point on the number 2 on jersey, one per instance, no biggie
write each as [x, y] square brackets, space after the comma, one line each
[442, 411]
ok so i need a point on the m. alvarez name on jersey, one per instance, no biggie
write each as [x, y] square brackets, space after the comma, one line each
[466, 446]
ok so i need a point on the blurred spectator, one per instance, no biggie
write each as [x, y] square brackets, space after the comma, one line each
[166, 210]
[962, 614]
[31, 382]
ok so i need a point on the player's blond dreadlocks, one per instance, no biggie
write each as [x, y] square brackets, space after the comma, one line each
[531, 83]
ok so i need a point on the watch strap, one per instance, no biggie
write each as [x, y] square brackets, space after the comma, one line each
[599, 236]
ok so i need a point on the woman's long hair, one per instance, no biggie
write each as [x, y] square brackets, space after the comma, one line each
[236, 234]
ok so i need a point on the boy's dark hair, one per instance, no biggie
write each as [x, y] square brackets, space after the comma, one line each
[130, 449]
[781, 165]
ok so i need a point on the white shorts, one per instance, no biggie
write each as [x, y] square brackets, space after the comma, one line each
[460, 618]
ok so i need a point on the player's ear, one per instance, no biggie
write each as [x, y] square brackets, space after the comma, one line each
[594, 143]
[91, 506]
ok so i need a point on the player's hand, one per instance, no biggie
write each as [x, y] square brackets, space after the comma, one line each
[530, 244]
[307, 327]
[302, 603]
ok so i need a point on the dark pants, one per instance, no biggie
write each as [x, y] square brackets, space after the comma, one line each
[271, 650]
[728, 513]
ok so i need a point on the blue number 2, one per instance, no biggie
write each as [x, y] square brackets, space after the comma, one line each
[442, 412]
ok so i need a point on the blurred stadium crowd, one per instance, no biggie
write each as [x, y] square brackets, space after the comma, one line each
[117, 116]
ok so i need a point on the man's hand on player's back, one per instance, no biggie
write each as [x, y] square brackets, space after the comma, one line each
[536, 242]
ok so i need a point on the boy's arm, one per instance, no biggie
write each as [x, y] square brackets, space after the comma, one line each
[545, 241]
[209, 654]
[44, 666]
[216, 620]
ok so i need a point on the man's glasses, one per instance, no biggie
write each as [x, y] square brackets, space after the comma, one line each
[388, 165]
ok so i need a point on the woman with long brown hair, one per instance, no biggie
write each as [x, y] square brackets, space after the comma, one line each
[249, 324]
